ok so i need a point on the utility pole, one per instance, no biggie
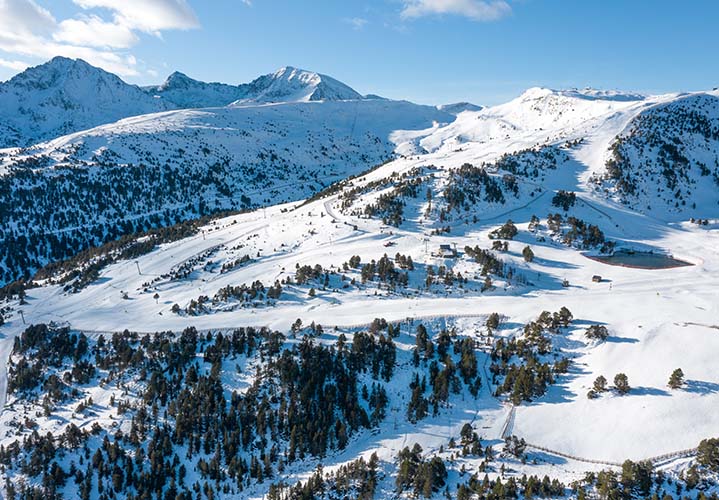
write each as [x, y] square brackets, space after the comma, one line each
[23, 317]
[138, 268]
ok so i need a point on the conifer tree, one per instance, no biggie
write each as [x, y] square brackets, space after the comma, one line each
[621, 383]
[676, 380]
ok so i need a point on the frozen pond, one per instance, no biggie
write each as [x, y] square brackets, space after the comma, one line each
[641, 260]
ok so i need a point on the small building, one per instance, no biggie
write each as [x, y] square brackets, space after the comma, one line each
[596, 278]
[447, 251]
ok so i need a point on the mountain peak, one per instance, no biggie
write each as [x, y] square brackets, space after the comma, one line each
[177, 79]
[66, 62]
[56, 69]
[289, 84]
[534, 93]
[459, 107]
[58, 60]
[64, 95]
[175, 75]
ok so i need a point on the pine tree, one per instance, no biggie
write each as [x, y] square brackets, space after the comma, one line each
[493, 321]
[708, 454]
[600, 384]
[528, 254]
[676, 380]
[621, 383]
[597, 332]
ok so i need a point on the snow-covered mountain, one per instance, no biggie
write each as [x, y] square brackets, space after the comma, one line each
[66, 95]
[290, 84]
[458, 107]
[184, 92]
[258, 148]
[446, 299]
[285, 85]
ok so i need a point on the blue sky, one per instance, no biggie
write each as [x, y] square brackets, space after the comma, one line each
[430, 51]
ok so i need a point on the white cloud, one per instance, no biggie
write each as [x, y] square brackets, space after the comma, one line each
[357, 23]
[25, 17]
[31, 31]
[16, 65]
[94, 32]
[477, 10]
[44, 49]
[150, 16]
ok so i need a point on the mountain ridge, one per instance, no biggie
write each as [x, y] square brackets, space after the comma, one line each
[66, 95]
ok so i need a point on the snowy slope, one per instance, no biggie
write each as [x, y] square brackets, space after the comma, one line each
[155, 170]
[648, 313]
[667, 160]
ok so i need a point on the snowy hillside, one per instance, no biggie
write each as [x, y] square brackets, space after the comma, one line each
[156, 170]
[667, 160]
[336, 271]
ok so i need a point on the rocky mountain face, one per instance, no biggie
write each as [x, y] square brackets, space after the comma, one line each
[64, 96]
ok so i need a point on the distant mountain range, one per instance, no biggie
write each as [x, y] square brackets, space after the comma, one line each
[68, 95]
[288, 84]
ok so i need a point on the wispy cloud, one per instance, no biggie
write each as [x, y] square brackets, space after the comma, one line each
[94, 32]
[357, 23]
[101, 33]
[16, 65]
[477, 10]
[151, 16]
